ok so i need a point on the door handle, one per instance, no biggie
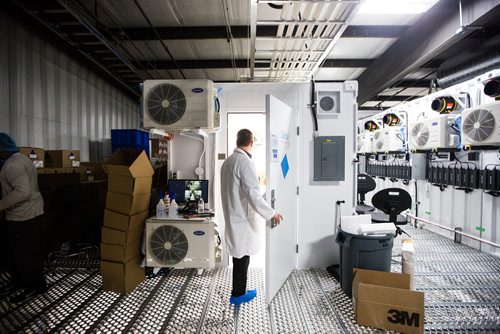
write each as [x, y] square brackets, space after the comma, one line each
[273, 200]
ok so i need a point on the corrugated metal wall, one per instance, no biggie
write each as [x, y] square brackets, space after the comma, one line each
[49, 100]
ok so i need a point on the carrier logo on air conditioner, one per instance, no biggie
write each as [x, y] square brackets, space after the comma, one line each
[199, 233]
[197, 90]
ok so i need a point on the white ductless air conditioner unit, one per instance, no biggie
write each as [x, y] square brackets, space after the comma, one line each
[436, 133]
[481, 125]
[180, 243]
[176, 105]
[389, 139]
[365, 142]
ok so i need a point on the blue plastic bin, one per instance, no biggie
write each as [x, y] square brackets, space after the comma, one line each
[130, 138]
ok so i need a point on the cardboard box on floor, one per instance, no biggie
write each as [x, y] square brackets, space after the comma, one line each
[384, 300]
[94, 169]
[119, 221]
[122, 277]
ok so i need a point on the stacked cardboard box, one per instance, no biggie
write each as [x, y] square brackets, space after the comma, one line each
[127, 207]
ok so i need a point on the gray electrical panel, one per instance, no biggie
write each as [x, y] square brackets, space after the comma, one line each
[329, 158]
[418, 166]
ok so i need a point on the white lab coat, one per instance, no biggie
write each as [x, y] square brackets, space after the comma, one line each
[241, 199]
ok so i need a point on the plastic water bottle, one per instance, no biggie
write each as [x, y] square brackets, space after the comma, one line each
[172, 209]
[161, 208]
[201, 205]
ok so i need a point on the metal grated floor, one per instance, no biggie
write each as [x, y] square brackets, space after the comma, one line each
[461, 284]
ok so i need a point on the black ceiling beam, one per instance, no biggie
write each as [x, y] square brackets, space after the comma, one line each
[374, 31]
[242, 31]
[373, 108]
[413, 84]
[433, 33]
[198, 64]
[394, 98]
[346, 63]
[175, 33]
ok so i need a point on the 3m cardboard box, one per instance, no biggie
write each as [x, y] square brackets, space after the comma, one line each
[122, 277]
[117, 237]
[127, 204]
[384, 300]
[62, 158]
[129, 185]
[119, 221]
[130, 163]
[120, 253]
[37, 155]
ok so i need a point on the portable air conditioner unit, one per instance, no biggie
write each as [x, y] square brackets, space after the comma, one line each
[180, 243]
[389, 139]
[365, 142]
[328, 103]
[175, 105]
[481, 125]
[437, 132]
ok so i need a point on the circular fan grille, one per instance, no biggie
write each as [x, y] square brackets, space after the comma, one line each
[168, 245]
[326, 103]
[479, 125]
[165, 104]
[420, 134]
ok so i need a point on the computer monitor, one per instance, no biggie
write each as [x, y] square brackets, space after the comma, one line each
[189, 190]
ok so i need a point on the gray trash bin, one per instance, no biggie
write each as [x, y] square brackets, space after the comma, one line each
[362, 251]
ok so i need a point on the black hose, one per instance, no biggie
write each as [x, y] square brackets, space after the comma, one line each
[313, 105]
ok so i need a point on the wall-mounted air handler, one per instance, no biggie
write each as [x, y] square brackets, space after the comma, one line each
[481, 125]
[436, 133]
[176, 105]
[390, 139]
[365, 143]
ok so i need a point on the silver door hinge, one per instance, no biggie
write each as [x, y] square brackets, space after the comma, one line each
[297, 249]
[298, 131]
[297, 190]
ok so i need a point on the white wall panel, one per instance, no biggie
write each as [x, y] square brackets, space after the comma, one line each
[49, 100]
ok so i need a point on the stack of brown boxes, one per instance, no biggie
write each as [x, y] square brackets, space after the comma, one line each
[62, 161]
[127, 206]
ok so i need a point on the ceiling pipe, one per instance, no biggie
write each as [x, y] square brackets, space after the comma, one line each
[474, 64]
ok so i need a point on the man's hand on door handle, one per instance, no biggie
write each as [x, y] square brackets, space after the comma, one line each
[277, 218]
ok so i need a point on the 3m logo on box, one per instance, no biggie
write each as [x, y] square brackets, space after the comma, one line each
[404, 318]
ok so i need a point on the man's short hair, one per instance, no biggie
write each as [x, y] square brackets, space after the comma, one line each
[244, 137]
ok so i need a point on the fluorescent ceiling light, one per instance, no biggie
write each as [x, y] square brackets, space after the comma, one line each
[395, 6]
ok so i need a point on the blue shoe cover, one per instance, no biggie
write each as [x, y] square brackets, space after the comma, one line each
[251, 294]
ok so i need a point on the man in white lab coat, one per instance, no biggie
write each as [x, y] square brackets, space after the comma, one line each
[241, 199]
